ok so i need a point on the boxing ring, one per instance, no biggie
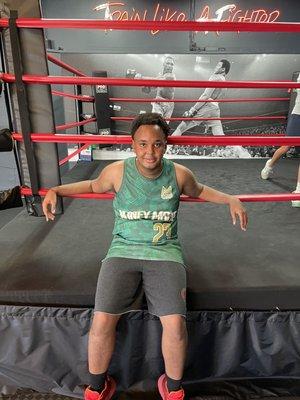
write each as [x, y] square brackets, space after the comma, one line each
[243, 288]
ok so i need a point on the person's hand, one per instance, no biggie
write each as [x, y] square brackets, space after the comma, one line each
[146, 89]
[130, 73]
[49, 204]
[138, 76]
[189, 114]
[237, 210]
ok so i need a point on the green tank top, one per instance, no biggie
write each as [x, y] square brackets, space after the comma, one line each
[146, 215]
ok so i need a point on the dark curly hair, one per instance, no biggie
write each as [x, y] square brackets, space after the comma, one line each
[150, 119]
[225, 65]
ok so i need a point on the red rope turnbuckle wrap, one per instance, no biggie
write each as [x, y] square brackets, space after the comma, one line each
[243, 197]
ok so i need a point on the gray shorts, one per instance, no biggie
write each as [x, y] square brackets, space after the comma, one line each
[163, 108]
[122, 282]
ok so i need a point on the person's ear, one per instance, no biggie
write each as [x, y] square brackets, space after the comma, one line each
[133, 144]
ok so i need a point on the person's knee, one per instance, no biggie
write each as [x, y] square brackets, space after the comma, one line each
[181, 127]
[174, 326]
[103, 324]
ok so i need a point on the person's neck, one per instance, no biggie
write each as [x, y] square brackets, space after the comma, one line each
[152, 174]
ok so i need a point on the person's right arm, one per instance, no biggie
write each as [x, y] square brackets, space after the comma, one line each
[106, 181]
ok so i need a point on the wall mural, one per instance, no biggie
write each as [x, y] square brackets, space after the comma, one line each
[242, 111]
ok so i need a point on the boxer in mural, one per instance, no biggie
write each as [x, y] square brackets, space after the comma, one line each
[165, 109]
[211, 109]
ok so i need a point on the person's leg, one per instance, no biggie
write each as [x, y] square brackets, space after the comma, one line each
[102, 338]
[165, 288]
[207, 110]
[157, 108]
[240, 152]
[268, 168]
[168, 109]
[296, 203]
[118, 287]
[292, 129]
[101, 345]
[278, 154]
[184, 126]
[165, 109]
[216, 125]
[298, 180]
[174, 344]
[217, 129]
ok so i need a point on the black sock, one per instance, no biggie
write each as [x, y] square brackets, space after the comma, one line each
[97, 381]
[173, 385]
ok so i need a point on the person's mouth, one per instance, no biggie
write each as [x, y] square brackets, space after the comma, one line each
[150, 160]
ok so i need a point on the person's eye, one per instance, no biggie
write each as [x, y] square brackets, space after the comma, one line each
[158, 145]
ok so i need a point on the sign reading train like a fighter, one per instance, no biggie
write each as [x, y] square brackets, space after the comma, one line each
[121, 11]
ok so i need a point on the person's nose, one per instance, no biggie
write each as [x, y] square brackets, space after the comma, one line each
[150, 149]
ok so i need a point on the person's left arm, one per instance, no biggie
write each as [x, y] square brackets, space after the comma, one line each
[147, 89]
[189, 186]
[206, 95]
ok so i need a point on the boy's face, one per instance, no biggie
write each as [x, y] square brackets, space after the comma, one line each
[149, 144]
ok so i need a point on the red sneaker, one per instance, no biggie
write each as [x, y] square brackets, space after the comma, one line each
[164, 392]
[106, 394]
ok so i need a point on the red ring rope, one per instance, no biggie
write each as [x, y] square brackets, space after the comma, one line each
[66, 159]
[243, 197]
[180, 140]
[73, 124]
[164, 25]
[65, 65]
[69, 80]
[83, 98]
[155, 25]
